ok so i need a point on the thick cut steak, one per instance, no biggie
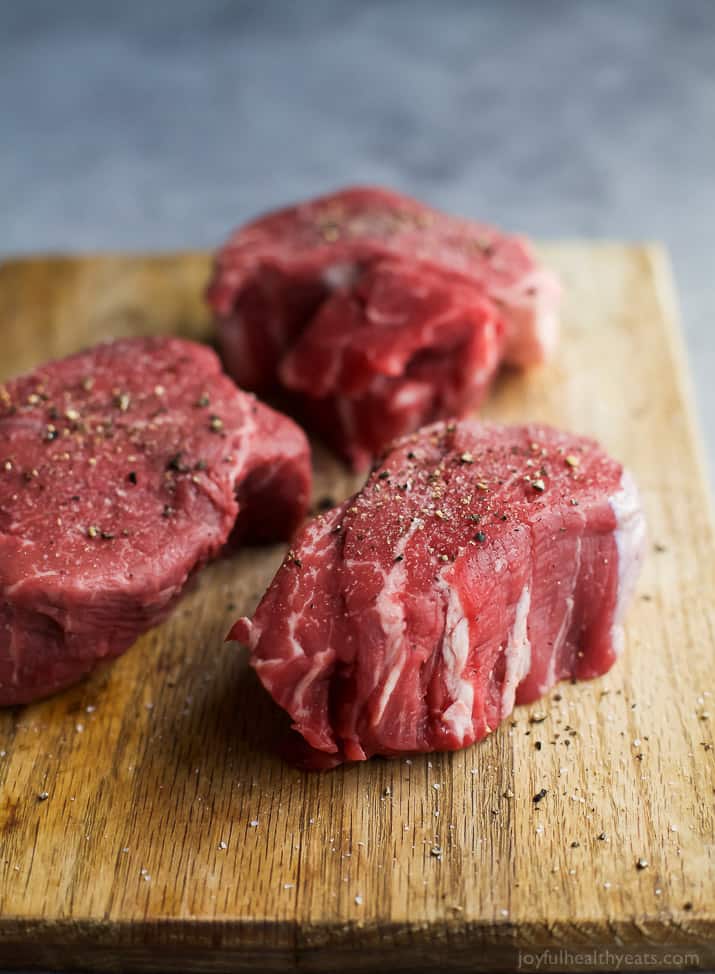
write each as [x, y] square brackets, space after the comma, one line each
[477, 567]
[123, 469]
[378, 313]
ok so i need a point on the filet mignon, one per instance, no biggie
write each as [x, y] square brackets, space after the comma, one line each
[477, 567]
[122, 471]
[378, 313]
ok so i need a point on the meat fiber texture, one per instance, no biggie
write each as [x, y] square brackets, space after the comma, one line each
[123, 469]
[478, 566]
[377, 314]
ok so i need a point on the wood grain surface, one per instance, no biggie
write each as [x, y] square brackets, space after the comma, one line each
[174, 838]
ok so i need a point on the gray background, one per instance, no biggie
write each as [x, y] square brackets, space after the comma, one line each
[149, 125]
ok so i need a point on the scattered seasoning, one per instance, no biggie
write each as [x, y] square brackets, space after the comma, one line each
[688, 905]
[216, 424]
[168, 510]
[43, 796]
[571, 461]
[296, 561]
[436, 851]
[575, 844]
[8, 464]
[537, 745]
[51, 432]
[466, 458]
[122, 401]
[72, 415]
[92, 531]
[538, 719]
[132, 476]
[203, 400]
[387, 792]
[358, 901]
[539, 796]
[538, 485]
[106, 536]
[508, 793]
[641, 863]
[400, 558]
[223, 845]
[480, 536]
[602, 837]
[384, 474]
[88, 383]
[159, 390]
[253, 823]
[481, 485]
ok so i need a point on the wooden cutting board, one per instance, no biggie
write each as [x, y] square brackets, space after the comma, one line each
[173, 838]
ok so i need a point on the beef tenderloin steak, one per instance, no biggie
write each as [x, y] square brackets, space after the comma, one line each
[377, 313]
[123, 469]
[477, 567]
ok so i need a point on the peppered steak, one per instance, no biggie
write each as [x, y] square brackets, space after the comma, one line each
[477, 567]
[123, 469]
[378, 313]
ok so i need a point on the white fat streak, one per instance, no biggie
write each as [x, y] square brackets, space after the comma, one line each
[412, 395]
[318, 662]
[630, 538]
[390, 607]
[455, 653]
[314, 533]
[340, 276]
[518, 652]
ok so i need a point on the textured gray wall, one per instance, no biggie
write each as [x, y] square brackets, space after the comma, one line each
[162, 124]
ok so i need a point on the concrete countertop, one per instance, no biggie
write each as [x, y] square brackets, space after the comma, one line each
[162, 125]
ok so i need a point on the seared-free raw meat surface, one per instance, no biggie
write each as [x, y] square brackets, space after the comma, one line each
[378, 313]
[477, 567]
[122, 471]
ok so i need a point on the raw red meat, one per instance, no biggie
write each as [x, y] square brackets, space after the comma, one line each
[477, 567]
[122, 471]
[377, 312]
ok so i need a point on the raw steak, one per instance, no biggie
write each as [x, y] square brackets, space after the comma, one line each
[477, 567]
[378, 313]
[122, 471]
